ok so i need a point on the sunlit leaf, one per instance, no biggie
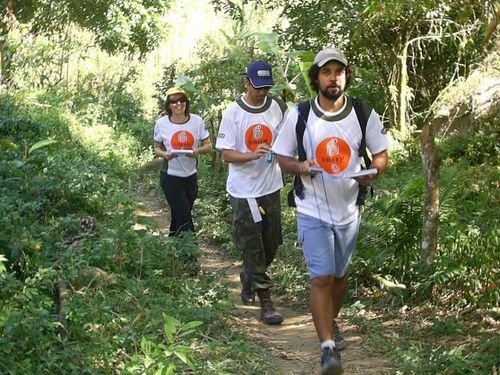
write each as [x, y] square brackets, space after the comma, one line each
[146, 346]
[2, 260]
[182, 357]
[186, 84]
[185, 333]
[268, 42]
[41, 144]
[170, 326]
[169, 370]
[193, 324]
[148, 361]
[5, 143]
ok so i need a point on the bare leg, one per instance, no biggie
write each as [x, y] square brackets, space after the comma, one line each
[322, 306]
[338, 293]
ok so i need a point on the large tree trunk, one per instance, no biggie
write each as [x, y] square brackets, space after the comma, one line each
[3, 54]
[492, 26]
[384, 81]
[395, 85]
[403, 91]
[217, 158]
[430, 160]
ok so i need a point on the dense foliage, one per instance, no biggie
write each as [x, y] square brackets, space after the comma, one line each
[133, 302]
[133, 25]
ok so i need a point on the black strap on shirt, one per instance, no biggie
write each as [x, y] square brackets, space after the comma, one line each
[362, 113]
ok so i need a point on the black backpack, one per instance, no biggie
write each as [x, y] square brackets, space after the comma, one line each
[362, 113]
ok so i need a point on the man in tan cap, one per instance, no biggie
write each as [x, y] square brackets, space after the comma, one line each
[335, 131]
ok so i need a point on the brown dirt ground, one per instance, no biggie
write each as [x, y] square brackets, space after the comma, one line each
[294, 344]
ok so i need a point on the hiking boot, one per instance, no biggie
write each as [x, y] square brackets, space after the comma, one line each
[247, 294]
[330, 362]
[340, 343]
[268, 314]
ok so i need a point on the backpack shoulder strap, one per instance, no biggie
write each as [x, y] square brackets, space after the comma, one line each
[303, 110]
[362, 113]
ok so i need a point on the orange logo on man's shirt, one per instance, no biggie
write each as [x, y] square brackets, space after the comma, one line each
[256, 135]
[333, 155]
[182, 140]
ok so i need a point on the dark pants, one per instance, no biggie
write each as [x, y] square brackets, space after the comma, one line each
[258, 241]
[180, 193]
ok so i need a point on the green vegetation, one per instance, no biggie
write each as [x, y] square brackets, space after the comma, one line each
[89, 286]
[463, 282]
[126, 288]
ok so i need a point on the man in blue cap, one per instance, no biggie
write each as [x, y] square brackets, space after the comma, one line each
[247, 131]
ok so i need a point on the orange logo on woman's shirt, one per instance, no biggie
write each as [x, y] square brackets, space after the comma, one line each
[182, 140]
[256, 135]
[333, 155]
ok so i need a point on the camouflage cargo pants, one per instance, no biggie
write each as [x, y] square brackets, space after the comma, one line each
[258, 241]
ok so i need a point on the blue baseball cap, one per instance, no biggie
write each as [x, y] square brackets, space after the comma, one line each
[260, 74]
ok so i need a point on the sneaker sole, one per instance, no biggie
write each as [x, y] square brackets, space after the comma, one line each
[332, 370]
[272, 322]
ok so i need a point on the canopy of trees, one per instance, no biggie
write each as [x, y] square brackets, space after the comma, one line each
[131, 25]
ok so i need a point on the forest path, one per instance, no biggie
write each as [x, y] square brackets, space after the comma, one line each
[293, 344]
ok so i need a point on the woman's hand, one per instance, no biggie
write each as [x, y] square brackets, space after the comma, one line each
[207, 146]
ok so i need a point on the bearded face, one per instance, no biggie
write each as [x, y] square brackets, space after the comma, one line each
[332, 80]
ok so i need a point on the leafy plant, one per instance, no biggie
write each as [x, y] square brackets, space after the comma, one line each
[167, 356]
[3, 260]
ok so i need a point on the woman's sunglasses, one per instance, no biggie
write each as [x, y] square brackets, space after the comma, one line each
[174, 101]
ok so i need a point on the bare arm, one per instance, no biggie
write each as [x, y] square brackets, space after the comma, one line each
[232, 156]
[161, 152]
[205, 149]
[292, 165]
[380, 161]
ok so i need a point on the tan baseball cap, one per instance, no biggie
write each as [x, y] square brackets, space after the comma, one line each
[175, 90]
[328, 54]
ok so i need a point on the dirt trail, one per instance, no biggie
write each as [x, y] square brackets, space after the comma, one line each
[293, 344]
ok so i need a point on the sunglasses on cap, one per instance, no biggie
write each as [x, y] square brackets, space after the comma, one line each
[174, 101]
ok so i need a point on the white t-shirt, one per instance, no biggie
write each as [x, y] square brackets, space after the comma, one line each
[242, 129]
[332, 140]
[181, 137]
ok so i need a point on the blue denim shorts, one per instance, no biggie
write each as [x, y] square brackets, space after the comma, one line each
[327, 248]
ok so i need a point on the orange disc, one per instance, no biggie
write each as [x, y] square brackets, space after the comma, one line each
[333, 155]
[182, 140]
[256, 135]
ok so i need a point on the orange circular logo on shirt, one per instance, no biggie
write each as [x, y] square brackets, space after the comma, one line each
[333, 155]
[258, 134]
[182, 140]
